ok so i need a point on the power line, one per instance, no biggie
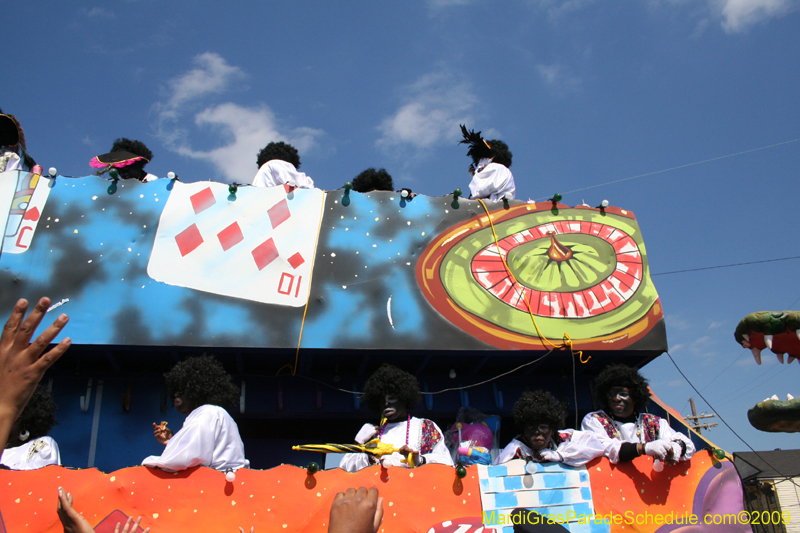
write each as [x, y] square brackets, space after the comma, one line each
[726, 266]
[678, 167]
[723, 371]
[788, 478]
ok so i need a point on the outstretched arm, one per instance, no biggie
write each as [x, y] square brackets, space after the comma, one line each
[22, 364]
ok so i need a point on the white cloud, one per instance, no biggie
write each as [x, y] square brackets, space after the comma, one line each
[441, 4]
[249, 129]
[559, 79]
[213, 75]
[243, 131]
[737, 15]
[436, 104]
[557, 8]
[100, 13]
[677, 322]
[716, 324]
[702, 347]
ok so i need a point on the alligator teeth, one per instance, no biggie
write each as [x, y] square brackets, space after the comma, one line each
[797, 333]
[746, 344]
[768, 341]
[775, 397]
[789, 397]
[790, 360]
[746, 337]
[780, 357]
[756, 355]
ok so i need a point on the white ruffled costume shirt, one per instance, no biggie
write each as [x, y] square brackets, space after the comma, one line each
[582, 447]
[628, 432]
[492, 181]
[277, 172]
[395, 434]
[32, 455]
[209, 437]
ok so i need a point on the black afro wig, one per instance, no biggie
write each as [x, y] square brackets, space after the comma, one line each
[391, 380]
[39, 415]
[373, 180]
[623, 376]
[202, 380]
[539, 407]
[500, 153]
[134, 147]
[280, 150]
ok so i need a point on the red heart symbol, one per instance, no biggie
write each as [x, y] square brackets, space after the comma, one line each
[31, 214]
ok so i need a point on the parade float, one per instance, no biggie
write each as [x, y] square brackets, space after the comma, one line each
[778, 331]
[302, 294]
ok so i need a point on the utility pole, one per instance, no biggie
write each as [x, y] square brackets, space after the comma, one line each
[695, 417]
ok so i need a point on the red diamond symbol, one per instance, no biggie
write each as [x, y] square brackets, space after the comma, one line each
[202, 200]
[188, 239]
[230, 236]
[265, 253]
[296, 260]
[279, 213]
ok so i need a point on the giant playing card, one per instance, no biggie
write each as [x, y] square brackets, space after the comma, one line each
[27, 203]
[258, 246]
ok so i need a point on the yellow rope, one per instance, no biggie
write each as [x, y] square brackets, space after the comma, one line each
[508, 271]
[567, 340]
[308, 295]
[568, 343]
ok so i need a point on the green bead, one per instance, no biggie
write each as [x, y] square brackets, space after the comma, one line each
[557, 197]
[347, 186]
[457, 192]
[461, 471]
[312, 468]
[114, 173]
[232, 188]
[719, 454]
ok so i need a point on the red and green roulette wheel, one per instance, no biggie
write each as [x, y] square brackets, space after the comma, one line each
[581, 271]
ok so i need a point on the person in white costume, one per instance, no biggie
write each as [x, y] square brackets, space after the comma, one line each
[12, 145]
[392, 393]
[538, 415]
[28, 446]
[491, 160]
[201, 388]
[129, 157]
[278, 163]
[626, 432]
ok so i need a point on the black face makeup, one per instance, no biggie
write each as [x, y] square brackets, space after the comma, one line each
[134, 171]
[181, 405]
[538, 435]
[394, 410]
[620, 402]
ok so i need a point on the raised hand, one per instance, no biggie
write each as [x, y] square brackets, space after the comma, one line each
[356, 511]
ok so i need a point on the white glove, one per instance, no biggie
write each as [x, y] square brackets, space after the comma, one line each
[676, 452]
[550, 455]
[366, 433]
[658, 448]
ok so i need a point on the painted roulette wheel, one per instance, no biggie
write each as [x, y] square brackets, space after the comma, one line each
[580, 271]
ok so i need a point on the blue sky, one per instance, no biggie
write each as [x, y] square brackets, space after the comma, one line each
[584, 92]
